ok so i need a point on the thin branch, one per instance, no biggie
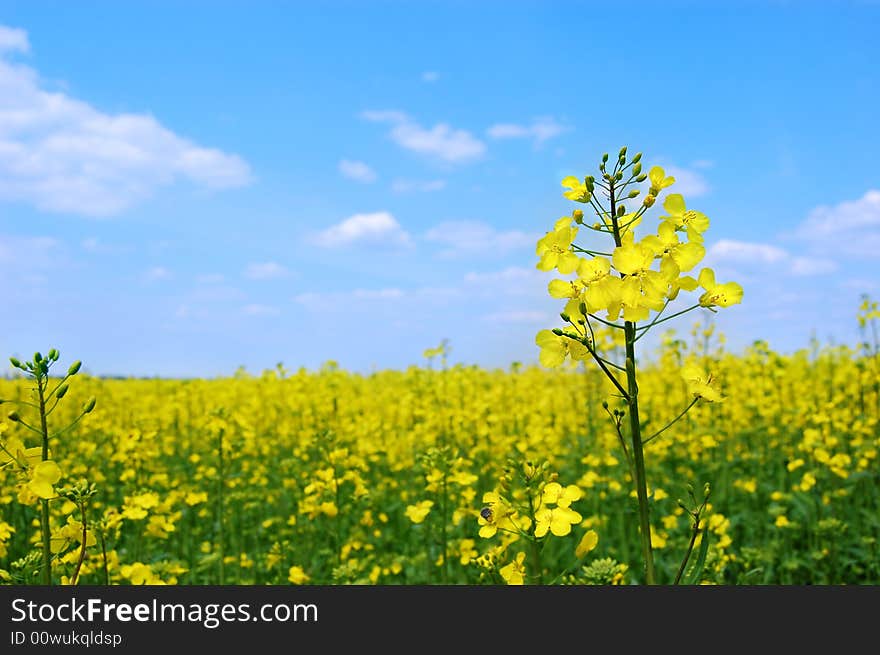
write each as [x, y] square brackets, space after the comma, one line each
[18, 402]
[652, 323]
[622, 441]
[672, 422]
[602, 366]
[608, 323]
[29, 427]
[590, 252]
[644, 328]
[63, 430]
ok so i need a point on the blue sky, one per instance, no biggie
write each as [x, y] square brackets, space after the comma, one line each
[190, 187]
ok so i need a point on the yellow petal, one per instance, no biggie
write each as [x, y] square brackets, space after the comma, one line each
[674, 204]
[588, 542]
[48, 471]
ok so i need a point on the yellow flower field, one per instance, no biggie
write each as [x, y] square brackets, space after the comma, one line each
[332, 477]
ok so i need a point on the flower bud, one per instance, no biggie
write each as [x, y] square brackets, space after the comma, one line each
[557, 331]
[621, 210]
[61, 391]
[90, 405]
[604, 157]
[637, 158]
[582, 308]
[604, 404]
[622, 152]
[633, 193]
[642, 177]
[53, 354]
[565, 317]
[37, 357]
[589, 182]
[15, 362]
[649, 200]
[74, 368]
[578, 216]
[637, 169]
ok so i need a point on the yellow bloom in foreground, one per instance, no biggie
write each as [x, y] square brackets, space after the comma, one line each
[497, 514]
[722, 295]
[577, 190]
[557, 520]
[515, 572]
[43, 476]
[659, 180]
[14, 451]
[699, 383]
[296, 575]
[417, 513]
[588, 542]
[554, 349]
[681, 217]
[554, 248]
[555, 494]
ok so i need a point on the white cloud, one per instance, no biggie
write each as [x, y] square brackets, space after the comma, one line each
[812, 266]
[377, 294]
[430, 76]
[421, 186]
[475, 237]
[743, 252]
[689, 183]
[265, 271]
[29, 252]
[157, 274]
[260, 310]
[540, 130]
[441, 141]
[96, 246]
[525, 316]
[851, 227]
[61, 154]
[357, 170]
[513, 280]
[325, 301]
[384, 116]
[377, 227]
[860, 284]
[210, 278]
[13, 40]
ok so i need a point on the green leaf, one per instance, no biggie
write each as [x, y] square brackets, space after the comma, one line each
[696, 572]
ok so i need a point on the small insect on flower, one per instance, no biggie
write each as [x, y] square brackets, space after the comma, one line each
[486, 513]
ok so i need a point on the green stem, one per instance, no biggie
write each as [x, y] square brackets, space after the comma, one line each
[632, 398]
[535, 546]
[672, 422]
[220, 507]
[46, 569]
[687, 555]
[104, 558]
[639, 458]
[445, 571]
[82, 551]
